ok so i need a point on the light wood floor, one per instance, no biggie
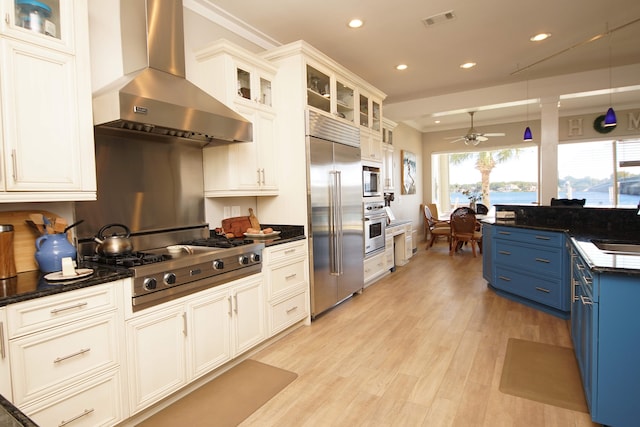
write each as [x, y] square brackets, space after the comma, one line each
[422, 347]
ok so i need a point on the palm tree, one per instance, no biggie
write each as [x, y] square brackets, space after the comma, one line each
[485, 161]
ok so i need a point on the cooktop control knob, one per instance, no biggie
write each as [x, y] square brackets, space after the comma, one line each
[150, 283]
[243, 260]
[170, 278]
[255, 257]
[218, 264]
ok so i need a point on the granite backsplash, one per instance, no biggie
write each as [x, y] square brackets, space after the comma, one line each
[621, 224]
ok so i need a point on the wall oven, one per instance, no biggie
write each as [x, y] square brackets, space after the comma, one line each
[375, 221]
[371, 186]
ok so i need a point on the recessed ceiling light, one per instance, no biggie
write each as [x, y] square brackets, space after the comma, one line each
[437, 121]
[401, 67]
[540, 37]
[467, 65]
[356, 23]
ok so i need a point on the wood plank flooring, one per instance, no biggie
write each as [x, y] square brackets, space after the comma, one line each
[422, 347]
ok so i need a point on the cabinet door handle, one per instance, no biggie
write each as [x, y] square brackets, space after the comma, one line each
[292, 309]
[258, 176]
[235, 300]
[77, 353]
[291, 276]
[230, 306]
[14, 164]
[543, 238]
[543, 260]
[546, 291]
[71, 307]
[506, 279]
[504, 252]
[184, 324]
[264, 179]
[2, 350]
[586, 300]
[6, 19]
[77, 417]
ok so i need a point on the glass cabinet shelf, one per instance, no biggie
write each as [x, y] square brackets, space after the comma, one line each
[318, 89]
[41, 17]
[364, 111]
[244, 83]
[344, 101]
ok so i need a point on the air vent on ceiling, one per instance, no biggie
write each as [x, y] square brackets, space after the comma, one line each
[440, 17]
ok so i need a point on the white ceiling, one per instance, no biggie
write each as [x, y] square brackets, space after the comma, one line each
[493, 33]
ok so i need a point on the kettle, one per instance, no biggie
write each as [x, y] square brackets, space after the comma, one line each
[115, 244]
[50, 249]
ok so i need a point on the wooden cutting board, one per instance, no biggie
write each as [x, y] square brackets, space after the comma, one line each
[24, 238]
[254, 220]
[237, 225]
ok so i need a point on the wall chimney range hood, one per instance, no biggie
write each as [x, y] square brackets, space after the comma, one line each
[138, 48]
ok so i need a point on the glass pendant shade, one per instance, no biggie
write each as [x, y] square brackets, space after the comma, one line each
[527, 134]
[610, 118]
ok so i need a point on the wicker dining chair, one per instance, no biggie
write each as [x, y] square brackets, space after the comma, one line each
[465, 229]
[433, 227]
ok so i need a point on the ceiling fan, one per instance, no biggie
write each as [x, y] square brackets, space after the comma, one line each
[473, 137]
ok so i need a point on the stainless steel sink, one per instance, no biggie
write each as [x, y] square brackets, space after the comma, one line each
[618, 247]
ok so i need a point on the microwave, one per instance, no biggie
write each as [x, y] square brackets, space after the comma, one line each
[371, 179]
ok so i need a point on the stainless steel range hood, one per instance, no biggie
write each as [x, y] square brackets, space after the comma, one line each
[151, 94]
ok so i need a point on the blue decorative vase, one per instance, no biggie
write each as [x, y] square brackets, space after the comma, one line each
[50, 249]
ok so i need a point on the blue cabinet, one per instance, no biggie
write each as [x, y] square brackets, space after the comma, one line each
[529, 266]
[487, 232]
[605, 329]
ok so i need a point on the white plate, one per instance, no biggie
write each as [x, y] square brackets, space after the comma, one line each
[57, 276]
[258, 236]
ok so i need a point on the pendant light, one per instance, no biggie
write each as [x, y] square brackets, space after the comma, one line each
[610, 118]
[527, 132]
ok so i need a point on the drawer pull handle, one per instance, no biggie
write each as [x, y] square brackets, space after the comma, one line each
[543, 238]
[546, 291]
[290, 276]
[506, 279]
[504, 252]
[77, 353]
[288, 251]
[292, 309]
[586, 300]
[71, 307]
[506, 233]
[586, 279]
[77, 417]
[543, 260]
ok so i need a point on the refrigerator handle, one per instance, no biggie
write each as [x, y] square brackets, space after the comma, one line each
[333, 244]
[338, 225]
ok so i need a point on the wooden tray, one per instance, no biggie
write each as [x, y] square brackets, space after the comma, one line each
[237, 225]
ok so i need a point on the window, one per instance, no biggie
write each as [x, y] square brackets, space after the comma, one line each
[510, 177]
[605, 173]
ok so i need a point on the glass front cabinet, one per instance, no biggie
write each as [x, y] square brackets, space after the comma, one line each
[331, 93]
[43, 22]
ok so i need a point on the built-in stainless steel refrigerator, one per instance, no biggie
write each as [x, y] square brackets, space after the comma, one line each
[334, 185]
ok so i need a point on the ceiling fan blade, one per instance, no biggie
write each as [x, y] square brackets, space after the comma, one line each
[461, 138]
[481, 138]
[455, 137]
[494, 134]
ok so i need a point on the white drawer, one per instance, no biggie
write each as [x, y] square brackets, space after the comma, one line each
[96, 402]
[46, 362]
[282, 279]
[285, 251]
[288, 312]
[41, 313]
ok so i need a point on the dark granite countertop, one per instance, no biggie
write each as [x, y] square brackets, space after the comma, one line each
[10, 416]
[582, 225]
[32, 284]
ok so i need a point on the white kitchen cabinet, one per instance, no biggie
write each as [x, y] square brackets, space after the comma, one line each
[374, 268]
[387, 156]
[389, 256]
[330, 92]
[190, 337]
[61, 346]
[5, 372]
[286, 270]
[243, 82]
[244, 168]
[371, 145]
[46, 124]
